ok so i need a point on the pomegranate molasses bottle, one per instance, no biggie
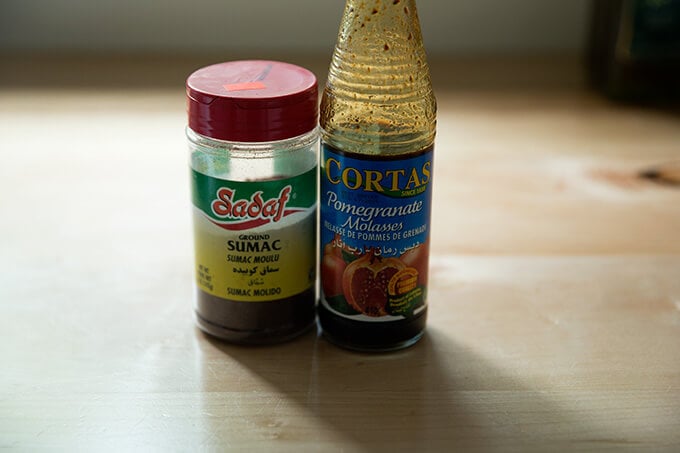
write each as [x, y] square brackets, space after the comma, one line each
[378, 117]
[253, 142]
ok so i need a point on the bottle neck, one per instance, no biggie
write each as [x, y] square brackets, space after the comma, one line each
[378, 97]
[383, 30]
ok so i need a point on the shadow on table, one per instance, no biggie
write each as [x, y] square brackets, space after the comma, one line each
[437, 393]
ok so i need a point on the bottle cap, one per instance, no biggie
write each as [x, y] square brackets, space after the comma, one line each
[252, 101]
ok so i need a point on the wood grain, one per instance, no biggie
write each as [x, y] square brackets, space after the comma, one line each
[555, 284]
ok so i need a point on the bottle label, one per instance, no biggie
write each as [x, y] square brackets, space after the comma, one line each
[255, 240]
[375, 225]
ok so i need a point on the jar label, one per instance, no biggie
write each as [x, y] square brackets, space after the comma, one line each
[375, 225]
[255, 240]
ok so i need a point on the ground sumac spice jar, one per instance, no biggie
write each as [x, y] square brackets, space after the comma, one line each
[254, 143]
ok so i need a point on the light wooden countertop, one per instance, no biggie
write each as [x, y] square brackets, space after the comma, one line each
[555, 284]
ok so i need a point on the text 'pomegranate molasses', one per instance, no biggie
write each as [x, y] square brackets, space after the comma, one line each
[378, 116]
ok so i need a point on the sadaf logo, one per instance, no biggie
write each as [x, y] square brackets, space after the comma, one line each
[250, 213]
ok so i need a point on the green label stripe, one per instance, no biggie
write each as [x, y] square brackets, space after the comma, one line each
[250, 203]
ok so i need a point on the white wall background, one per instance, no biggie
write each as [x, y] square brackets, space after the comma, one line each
[449, 26]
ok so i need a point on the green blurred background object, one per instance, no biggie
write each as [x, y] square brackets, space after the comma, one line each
[634, 49]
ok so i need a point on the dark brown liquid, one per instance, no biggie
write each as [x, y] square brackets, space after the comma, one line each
[371, 336]
[255, 322]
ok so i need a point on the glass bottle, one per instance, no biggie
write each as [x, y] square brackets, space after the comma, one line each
[378, 117]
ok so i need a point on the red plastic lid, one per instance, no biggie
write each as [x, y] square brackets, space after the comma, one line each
[252, 101]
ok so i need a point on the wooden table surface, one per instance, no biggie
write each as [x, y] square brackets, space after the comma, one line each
[555, 284]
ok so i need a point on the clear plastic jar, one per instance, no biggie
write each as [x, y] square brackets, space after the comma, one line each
[254, 199]
[240, 161]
